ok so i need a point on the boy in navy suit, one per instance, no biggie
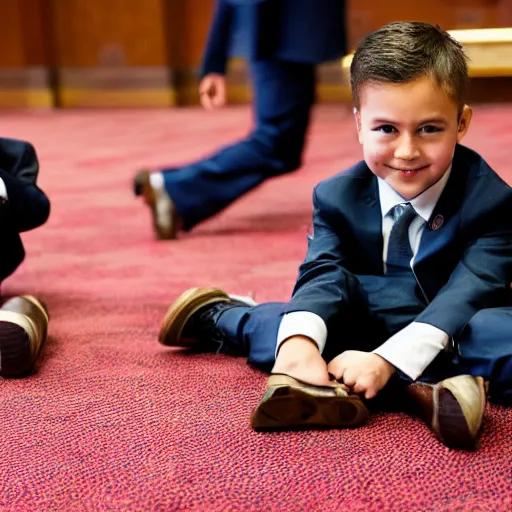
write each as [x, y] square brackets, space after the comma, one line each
[403, 294]
[23, 206]
[282, 40]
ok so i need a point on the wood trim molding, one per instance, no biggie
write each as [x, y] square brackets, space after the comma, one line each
[25, 88]
[124, 86]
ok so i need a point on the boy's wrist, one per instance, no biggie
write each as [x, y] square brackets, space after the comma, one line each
[387, 367]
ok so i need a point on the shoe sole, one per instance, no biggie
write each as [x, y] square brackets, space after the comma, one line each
[291, 408]
[182, 309]
[16, 354]
[452, 426]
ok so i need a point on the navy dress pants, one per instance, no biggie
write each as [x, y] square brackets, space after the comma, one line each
[284, 93]
[484, 348]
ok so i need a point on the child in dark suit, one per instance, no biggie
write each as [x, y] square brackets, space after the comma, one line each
[282, 41]
[403, 293]
[23, 206]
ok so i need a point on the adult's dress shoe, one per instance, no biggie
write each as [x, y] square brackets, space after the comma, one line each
[23, 332]
[290, 404]
[138, 182]
[191, 318]
[454, 408]
[166, 221]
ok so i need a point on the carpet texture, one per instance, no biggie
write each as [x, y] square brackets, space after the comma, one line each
[113, 421]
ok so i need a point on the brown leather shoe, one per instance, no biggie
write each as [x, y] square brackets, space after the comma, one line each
[291, 404]
[166, 221]
[454, 408]
[23, 332]
[190, 321]
[182, 313]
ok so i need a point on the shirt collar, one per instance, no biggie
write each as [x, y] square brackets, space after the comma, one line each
[423, 204]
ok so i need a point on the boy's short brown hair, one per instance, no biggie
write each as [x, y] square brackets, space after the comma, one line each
[402, 51]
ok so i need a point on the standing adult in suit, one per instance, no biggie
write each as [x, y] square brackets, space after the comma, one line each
[282, 40]
[23, 206]
[406, 278]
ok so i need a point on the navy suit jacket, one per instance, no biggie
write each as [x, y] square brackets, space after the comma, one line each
[307, 31]
[26, 207]
[461, 267]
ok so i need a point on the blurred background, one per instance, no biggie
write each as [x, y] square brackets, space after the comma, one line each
[132, 53]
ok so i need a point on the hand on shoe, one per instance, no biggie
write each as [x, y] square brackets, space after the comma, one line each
[212, 91]
[364, 372]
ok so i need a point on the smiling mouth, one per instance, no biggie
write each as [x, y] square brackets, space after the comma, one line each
[417, 169]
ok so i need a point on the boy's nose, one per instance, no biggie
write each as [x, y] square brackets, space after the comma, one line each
[406, 149]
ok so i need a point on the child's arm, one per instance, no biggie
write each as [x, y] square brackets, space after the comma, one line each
[25, 206]
[324, 279]
[478, 281]
[480, 278]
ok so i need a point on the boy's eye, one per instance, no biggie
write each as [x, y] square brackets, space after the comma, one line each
[430, 129]
[385, 128]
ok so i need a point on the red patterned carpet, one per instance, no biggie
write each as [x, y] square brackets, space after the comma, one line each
[113, 421]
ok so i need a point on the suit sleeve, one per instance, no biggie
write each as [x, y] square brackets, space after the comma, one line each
[481, 278]
[27, 206]
[324, 282]
[216, 51]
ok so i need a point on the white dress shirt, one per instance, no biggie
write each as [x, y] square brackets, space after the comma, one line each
[413, 348]
[3, 190]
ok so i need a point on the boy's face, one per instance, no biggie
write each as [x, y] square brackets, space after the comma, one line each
[408, 132]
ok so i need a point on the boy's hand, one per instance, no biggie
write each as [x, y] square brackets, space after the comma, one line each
[364, 372]
[212, 91]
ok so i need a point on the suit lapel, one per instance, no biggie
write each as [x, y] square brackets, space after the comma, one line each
[441, 229]
[369, 223]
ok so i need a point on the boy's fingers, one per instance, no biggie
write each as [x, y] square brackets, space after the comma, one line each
[219, 98]
[360, 385]
[349, 380]
[367, 386]
[336, 369]
[206, 101]
[370, 393]
[337, 373]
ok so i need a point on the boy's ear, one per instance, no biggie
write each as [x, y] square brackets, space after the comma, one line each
[465, 119]
[357, 117]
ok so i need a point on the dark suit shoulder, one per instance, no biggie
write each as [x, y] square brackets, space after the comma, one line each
[19, 159]
[468, 161]
[351, 177]
[484, 193]
[346, 186]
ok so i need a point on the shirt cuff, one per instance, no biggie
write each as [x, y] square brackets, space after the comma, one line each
[3, 190]
[302, 323]
[413, 348]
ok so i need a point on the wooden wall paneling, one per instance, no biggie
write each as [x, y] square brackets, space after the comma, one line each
[489, 66]
[24, 77]
[367, 15]
[111, 53]
[187, 24]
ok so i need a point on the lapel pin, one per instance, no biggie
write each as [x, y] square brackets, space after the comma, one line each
[436, 222]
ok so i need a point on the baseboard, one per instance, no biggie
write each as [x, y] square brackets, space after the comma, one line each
[26, 98]
[25, 88]
[115, 87]
[75, 97]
